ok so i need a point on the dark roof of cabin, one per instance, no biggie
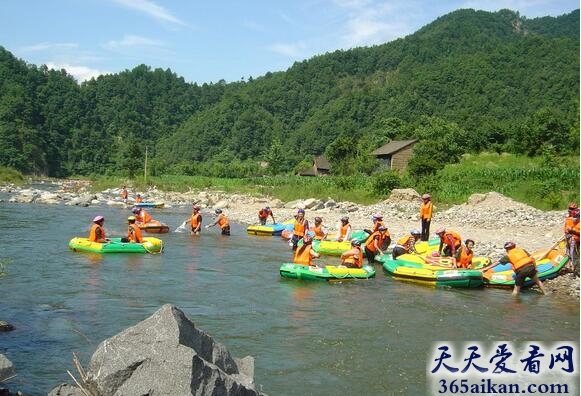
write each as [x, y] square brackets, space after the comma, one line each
[393, 147]
[321, 162]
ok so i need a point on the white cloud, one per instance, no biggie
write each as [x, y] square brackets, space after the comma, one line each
[48, 47]
[80, 73]
[287, 49]
[370, 22]
[133, 41]
[150, 8]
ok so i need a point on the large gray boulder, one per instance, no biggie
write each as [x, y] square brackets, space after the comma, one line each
[6, 368]
[167, 355]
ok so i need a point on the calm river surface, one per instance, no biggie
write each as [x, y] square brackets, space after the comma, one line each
[367, 337]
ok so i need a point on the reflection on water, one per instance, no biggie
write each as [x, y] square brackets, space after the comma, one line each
[308, 338]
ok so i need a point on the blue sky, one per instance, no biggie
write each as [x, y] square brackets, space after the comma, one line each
[205, 41]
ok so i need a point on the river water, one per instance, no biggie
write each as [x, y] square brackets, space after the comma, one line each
[369, 337]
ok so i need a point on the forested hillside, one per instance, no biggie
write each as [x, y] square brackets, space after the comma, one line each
[470, 81]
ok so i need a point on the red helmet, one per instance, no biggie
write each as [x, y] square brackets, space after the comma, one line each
[440, 231]
[426, 196]
[573, 206]
[318, 219]
[98, 219]
[345, 219]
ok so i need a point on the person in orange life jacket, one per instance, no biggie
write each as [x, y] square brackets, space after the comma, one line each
[344, 230]
[263, 215]
[319, 231]
[403, 245]
[133, 231]
[304, 254]
[300, 229]
[138, 198]
[124, 194]
[465, 254]
[569, 226]
[374, 243]
[222, 222]
[97, 233]
[523, 264]
[450, 242]
[571, 230]
[426, 210]
[141, 216]
[195, 220]
[353, 258]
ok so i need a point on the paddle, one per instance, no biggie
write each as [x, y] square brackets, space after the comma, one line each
[181, 227]
[551, 248]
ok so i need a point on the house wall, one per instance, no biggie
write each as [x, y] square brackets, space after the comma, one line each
[400, 160]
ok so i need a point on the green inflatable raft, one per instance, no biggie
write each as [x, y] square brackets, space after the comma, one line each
[149, 245]
[409, 267]
[328, 273]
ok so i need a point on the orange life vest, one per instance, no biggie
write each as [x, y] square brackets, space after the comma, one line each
[570, 224]
[97, 233]
[134, 233]
[299, 228]
[576, 228]
[343, 230]
[348, 257]
[405, 241]
[124, 194]
[143, 217]
[452, 239]
[377, 235]
[303, 255]
[223, 221]
[263, 214]
[138, 199]
[195, 220]
[319, 233]
[518, 258]
[464, 258]
[426, 210]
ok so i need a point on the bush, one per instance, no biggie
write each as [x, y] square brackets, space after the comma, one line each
[383, 182]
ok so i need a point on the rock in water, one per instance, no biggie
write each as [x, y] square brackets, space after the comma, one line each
[167, 355]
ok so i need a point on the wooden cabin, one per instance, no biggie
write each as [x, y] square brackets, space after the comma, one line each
[396, 154]
[321, 167]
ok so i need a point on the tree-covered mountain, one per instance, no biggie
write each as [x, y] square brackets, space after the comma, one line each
[467, 82]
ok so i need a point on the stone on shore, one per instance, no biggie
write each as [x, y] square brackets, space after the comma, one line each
[167, 355]
[5, 326]
[6, 368]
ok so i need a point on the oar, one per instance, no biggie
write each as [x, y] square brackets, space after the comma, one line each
[182, 227]
[551, 248]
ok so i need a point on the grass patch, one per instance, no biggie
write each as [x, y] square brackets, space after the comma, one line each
[534, 181]
[10, 176]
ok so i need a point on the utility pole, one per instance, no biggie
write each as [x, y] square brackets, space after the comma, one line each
[145, 168]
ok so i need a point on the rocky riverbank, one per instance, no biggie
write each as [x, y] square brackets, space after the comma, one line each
[490, 219]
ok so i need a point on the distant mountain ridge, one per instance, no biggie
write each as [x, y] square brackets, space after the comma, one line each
[493, 80]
